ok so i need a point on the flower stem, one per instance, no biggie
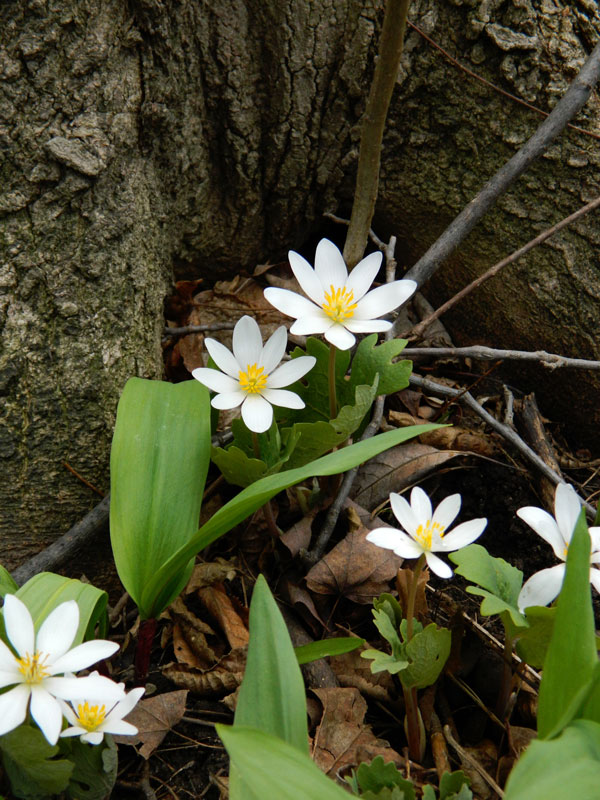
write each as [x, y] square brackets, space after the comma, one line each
[412, 596]
[267, 508]
[332, 387]
[414, 724]
[507, 676]
[143, 650]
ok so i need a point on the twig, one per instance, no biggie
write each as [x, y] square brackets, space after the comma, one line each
[573, 100]
[472, 762]
[493, 86]
[420, 329]
[508, 433]
[482, 353]
[82, 479]
[217, 326]
[391, 45]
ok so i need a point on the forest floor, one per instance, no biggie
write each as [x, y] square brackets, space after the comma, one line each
[198, 655]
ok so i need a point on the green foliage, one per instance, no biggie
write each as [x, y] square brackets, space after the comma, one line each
[427, 652]
[159, 588]
[159, 460]
[7, 584]
[271, 767]
[380, 781]
[306, 653]
[372, 359]
[46, 590]
[95, 769]
[532, 642]
[568, 766]
[569, 687]
[31, 765]
[314, 387]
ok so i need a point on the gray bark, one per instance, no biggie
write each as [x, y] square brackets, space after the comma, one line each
[137, 140]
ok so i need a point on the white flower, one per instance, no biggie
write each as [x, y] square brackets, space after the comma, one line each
[543, 587]
[249, 377]
[90, 720]
[40, 659]
[340, 305]
[426, 531]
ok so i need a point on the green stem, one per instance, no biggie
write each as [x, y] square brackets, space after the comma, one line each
[267, 508]
[332, 387]
[391, 45]
[414, 725]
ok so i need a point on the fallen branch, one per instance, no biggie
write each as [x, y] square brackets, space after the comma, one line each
[419, 330]
[217, 326]
[482, 353]
[574, 99]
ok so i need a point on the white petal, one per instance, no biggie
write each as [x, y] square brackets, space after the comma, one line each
[289, 303]
[542, 588]
[74, 730]
[228, 399]
[395, 540]
[273, 351]
[247, 342]
[545, 526]
[8, 663]
[91, 686]
[447, 511]
[222, 357]
[125, 706]
[363, 275]
[290, 372]
[340, 337]
[257, 413]
[47, 712]
[384, 299]
[283, 398]
[19, 625]
[435, 564]
[84, 655]
[367, 325]
[595, 537]
[566, 509]
[595, 578]
[13, 708]
[92, 737]
[316, 323]
[216, 381]
[68, 714]
[330, 266]
[404, 513]
[306, 277]
[421, 505]
[462, 535]
[119, 727]
[58, 630]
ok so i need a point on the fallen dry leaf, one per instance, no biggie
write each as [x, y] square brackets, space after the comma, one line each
[342, 738]
[353, 671]
[452, 438]
[395, 469]
[355, 569]
[211, 572]
[219, 605]
[154, 718]
[221, 679]
[298, 536]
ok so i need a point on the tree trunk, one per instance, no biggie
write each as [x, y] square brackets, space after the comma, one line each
[138, 139]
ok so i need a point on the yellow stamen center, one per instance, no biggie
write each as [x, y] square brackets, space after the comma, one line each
[425, 533]
[90, 717]
[338, 304]
[33, 667]
[253, 381]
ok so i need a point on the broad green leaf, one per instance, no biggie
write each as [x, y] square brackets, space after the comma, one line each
[388, 603]
[305, 653]
[572, 653]
[314, 387]
[395, 793]
[378, 775]
[568, 766]
[455, 784]
[7, 583]
[496, 576]
[427, 653]
[384, 662]
[95, 770]
[159, 589]
[272, 696]
[159, 460]
[272, 768]
[236, 467]
[492, 604]
[532, 644]
[46, 590]
[372, 359]
[352, 414]
[386, 625]
[31, 765]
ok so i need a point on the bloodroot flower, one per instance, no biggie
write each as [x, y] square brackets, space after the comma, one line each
[340, 304]
[249, 376]
[425, 531]
[90, 720]
[543, 587]
[40, 659]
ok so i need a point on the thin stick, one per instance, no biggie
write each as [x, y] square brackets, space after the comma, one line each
[367, 179]
[420, 329]
[217, 326]
[472, 762]
[508, 433]
[573, 100]
[482, 353]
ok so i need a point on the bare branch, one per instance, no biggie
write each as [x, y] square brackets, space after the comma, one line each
[482, 353]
